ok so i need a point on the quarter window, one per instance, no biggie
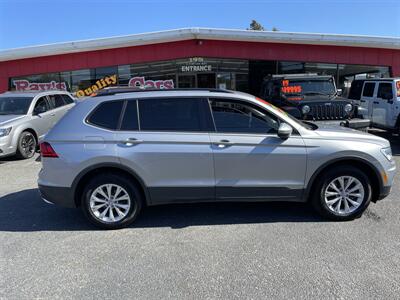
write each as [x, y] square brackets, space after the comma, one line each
[67, 99]
[107, 115]
[369, 89]
[130, 119]
[235, 117]
[174, 114]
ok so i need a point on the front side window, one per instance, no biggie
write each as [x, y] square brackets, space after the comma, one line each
[41, 106]
[14, 105]
[107, 115]
[174, 114]
[369, 89]
[236, 117]
[385, 90]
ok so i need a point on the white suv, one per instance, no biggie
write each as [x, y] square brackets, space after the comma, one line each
[379, 100]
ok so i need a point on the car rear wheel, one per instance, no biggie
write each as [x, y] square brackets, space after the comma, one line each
[342, 194]
[27, 145]
[111, 201]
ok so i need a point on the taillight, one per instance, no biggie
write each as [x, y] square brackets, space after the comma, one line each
[46, 150]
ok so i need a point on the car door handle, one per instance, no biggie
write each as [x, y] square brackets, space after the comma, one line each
[362, 100]
[376, 102]
[223, 143]
[131, 141]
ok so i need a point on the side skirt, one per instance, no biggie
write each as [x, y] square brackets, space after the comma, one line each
[170, 195]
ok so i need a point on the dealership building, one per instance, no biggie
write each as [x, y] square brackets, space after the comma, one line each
[197, 57]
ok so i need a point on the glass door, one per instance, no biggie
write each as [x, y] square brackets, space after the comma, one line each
[206, 80]
[187, 81]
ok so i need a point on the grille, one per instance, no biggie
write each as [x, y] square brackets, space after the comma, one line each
[335, 111]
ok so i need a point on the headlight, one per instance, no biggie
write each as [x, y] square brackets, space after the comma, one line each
[305, 110]
[5, 131]
[348, 108]
[387, 152]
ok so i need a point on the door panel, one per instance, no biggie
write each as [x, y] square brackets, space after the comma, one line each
[250, 160]
[258, 166]
[367, 97]
[43, 121]
[174, 166]
[172, 152]
[381, 108]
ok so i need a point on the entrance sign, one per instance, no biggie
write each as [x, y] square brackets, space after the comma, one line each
[142, 83]
[196, 64]
[25, 85]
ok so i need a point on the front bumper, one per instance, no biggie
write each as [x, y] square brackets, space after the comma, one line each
[359, 124]
[62, 196]
[385, 191]
[6, 147]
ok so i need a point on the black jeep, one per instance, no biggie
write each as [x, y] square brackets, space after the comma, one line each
[311, 97]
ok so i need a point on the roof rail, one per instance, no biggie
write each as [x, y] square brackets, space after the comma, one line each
[119, 90]
[296, 75]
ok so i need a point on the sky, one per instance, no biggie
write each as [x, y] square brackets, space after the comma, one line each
[36, 22]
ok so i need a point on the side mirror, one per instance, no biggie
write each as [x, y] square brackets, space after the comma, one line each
[285, 131]
[339, 92]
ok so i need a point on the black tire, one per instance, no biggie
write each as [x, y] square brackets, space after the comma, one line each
[27, 145]
[133, 191]
[318, 196]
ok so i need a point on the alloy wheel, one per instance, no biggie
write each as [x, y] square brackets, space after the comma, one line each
[344, 195]
[28, 145]
[110, 203]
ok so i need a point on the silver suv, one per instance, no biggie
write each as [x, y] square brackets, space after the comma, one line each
[25, 117]
[123, 150]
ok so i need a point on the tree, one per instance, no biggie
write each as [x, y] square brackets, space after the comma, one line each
[254, 25]
[275, 29]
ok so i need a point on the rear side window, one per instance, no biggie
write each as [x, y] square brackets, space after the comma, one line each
[385, 90]
[56, 101]
[130, 119]
[107, 115]
[369, 89]
[175, 114]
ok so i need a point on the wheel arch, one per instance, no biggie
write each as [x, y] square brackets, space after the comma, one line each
[31, 130]
[371, 171]
[85, 175]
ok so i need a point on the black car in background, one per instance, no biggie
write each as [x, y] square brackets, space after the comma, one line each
[311, 97]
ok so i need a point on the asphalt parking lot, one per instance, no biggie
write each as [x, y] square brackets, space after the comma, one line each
[211, 251]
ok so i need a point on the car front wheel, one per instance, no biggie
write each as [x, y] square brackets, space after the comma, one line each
[111, 201]
[342, 194]
[27, 145]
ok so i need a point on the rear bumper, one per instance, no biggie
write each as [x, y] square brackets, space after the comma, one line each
[62, 196]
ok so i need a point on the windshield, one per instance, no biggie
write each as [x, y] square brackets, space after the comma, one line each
[14, 105]
[308, 87]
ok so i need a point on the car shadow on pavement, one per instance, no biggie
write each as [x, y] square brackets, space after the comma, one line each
[25, 211]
